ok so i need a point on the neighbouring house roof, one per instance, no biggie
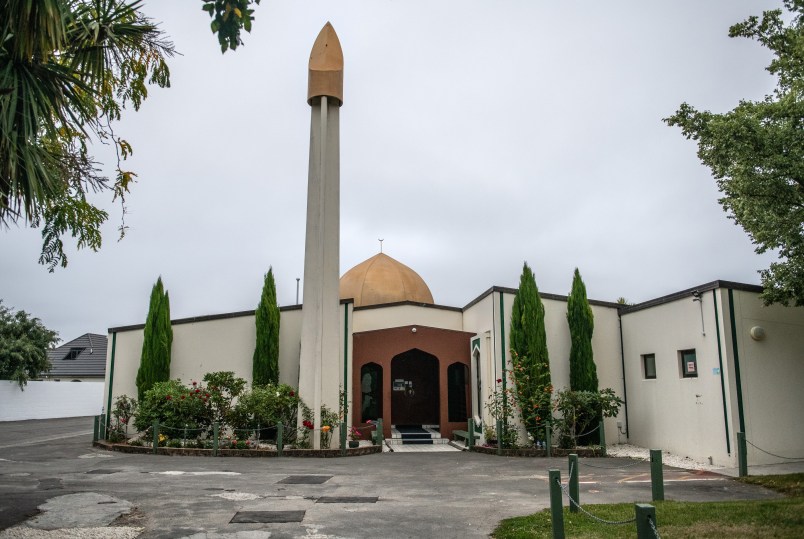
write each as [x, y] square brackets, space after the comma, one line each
[81, 357]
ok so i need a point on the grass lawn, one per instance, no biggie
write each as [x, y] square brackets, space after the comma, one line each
[783, 518]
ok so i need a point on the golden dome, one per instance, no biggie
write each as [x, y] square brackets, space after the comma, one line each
[381, 279]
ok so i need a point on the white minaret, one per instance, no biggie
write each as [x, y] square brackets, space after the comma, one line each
[319, 375]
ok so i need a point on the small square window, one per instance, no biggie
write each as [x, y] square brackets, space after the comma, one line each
[649, 366]
[689, 364]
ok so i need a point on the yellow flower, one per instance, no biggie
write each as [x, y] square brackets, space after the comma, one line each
[325, 428]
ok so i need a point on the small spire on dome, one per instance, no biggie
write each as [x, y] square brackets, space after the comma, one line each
[380, 240]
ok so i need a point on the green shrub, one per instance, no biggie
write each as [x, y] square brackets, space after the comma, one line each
[224, 387]
[137, 442]
[578, 410]
[175, 406]
[268, 406]
[174, 442]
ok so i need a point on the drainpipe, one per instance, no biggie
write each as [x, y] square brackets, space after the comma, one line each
[622, 361]
[111, 382]
[502, 341]
[740, 414]
[722, 376]
[345, 362]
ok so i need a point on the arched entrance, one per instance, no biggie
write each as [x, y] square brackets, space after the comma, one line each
[414, 388]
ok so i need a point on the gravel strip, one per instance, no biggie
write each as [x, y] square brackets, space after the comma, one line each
[668, 459]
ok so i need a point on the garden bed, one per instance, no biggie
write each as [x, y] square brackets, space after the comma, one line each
[533, 452]
[191, 451]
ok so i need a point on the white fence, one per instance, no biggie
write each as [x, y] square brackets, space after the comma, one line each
[45, 400]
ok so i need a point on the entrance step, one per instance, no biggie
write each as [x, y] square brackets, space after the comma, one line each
[415, 435]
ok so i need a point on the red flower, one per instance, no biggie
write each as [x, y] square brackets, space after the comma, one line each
[292, 394]
[195, 384]
[168, 397]
[207, 395]
[499, 380]
[183, 397]
[198, 391]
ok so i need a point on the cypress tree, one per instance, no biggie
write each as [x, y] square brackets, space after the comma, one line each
[265, 368]
[583, 373]
[531, 362]
[156, 343]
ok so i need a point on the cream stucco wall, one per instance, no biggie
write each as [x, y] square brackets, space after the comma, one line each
[483, 318]
[772, 376]
[673, 413]
[406, 315]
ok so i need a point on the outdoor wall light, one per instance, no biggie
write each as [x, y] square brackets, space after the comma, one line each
[413, 330]
[757, 333]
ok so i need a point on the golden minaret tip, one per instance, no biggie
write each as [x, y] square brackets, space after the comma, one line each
[325, 71]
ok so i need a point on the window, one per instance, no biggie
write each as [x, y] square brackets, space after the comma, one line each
[457, 382]
[73, 353]
[649, 366]
[689, 364]
[371, 392]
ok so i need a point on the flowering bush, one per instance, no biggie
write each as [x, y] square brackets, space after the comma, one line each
[223, 388]
[502, 407]
[267, 406]
[354, 434]
[578, 411]
[176, 407]
[124, 409]
[533, 392]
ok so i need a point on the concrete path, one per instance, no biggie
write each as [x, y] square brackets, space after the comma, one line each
[432, 494]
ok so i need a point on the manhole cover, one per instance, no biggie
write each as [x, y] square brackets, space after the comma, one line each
[306, 479]
[347, 499]
[266, 517]
[102, 472]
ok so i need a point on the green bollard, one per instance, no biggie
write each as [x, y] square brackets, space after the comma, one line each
[656, 475]
[380, 433]
[96, 428]
[645, 514]
[343, 438]
[742, 454]
[602, 438]
[574, 489]
[216, 429]
[102, 428]
[556, 508]
[471, 441]
[548, 435]
[156, 436]
[280, 443]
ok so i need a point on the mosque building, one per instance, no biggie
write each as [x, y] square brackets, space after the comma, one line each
[694, 367]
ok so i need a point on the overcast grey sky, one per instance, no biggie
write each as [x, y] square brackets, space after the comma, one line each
[475, 135]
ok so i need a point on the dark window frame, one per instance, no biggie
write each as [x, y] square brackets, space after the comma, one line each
[684, 360]
[645, 374]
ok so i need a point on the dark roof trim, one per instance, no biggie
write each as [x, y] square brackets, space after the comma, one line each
[205, 318]
[445, 330]
[688, 293]
[413, 303]
[543, 295]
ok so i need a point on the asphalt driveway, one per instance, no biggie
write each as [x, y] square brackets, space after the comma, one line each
[383, 495]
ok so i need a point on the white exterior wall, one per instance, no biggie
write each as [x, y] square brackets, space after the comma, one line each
[406, 315]
[681, 415]
[225, 344]
[219, 344]
[772, 376]
[46, 400]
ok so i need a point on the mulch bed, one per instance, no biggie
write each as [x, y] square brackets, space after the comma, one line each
[189, 451]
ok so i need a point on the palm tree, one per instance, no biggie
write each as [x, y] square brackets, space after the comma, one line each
[67, 69]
